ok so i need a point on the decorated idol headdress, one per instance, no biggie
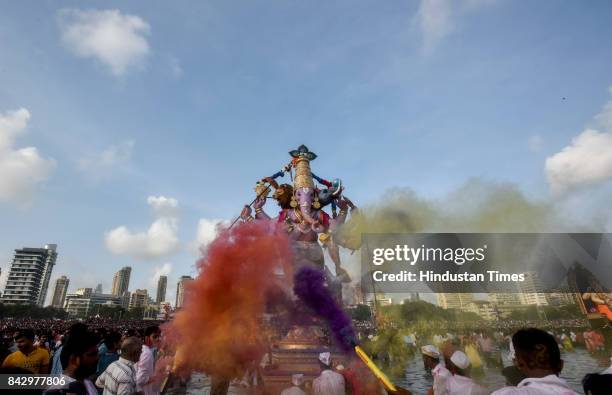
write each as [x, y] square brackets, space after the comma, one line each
[303, 176]
[301, 162]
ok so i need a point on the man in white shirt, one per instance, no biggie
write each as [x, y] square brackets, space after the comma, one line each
[297, 380]
[460, 383]
[432, 362]
[146, 365]
[536, 354]
[119, 378]
[328, 382]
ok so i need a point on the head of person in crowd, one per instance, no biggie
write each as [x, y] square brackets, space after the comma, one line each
[130, 332]
[112, 341]
[131, 348]
[536, 353]
[79, 355]
[76, 328]
[325, 362]
[459, 364]
[101, 332]
[151, 336]
[297, 380]
[24, 340]
[597, 384]
[431, 356]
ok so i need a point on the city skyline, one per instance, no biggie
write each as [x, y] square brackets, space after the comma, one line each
[62, 286]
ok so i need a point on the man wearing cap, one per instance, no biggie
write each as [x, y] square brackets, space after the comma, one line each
[431, 361]
[328, 382]
[460, 383]
[297, 380]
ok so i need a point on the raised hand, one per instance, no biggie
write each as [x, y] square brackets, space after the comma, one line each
[246, 212]
[259, 203]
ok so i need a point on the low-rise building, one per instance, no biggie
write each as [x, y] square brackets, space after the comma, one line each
[80, 305]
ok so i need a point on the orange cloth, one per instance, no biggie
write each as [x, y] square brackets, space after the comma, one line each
[605, 310]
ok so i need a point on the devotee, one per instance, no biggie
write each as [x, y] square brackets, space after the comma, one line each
[537, 356]
[108, 351]
[460, 382]
[56, 365]
[120, 376]
[297, 381]
[431, 361]
[28, 356]
[328, 382]
[146, 364]
[80, 357]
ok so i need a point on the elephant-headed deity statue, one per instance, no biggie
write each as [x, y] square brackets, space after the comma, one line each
[302, 211]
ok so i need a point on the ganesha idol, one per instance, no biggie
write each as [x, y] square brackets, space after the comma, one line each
[301, 211]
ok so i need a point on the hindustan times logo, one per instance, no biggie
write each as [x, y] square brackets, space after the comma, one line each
[412, 255]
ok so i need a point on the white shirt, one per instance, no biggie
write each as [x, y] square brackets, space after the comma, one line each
[329, 383]
[293, 391]
[440, 374]
[548, 385]
[461, 385]
[119, 378]
[145, 370]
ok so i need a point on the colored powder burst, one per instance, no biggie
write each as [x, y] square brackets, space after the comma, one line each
[218, 330]
[309, 286]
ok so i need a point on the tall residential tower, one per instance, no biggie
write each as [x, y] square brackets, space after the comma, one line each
[162, 283]
[59, 293]
[28, 279]
[121, 281]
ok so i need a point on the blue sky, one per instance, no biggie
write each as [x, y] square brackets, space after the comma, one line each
[195, 101]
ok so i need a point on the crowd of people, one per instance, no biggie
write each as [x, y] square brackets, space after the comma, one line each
[90, 358]
[99, 356]
[454, 363]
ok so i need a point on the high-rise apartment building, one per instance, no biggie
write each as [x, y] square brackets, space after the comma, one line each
[532, 290]
[162, 283]
[29, 276]
[121, 281]
[60, 291]
[180, 290]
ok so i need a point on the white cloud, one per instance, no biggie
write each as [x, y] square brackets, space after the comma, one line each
[163, 206]
[21, 169]
[438, 18]
[117, 40]
[163, 270]
[586, 161]
[604, 118]
[535, 143]
[160, 239]
[435, 20]
[208, 229]
[104, 164]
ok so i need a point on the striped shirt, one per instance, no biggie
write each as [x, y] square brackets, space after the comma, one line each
[119, 378]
